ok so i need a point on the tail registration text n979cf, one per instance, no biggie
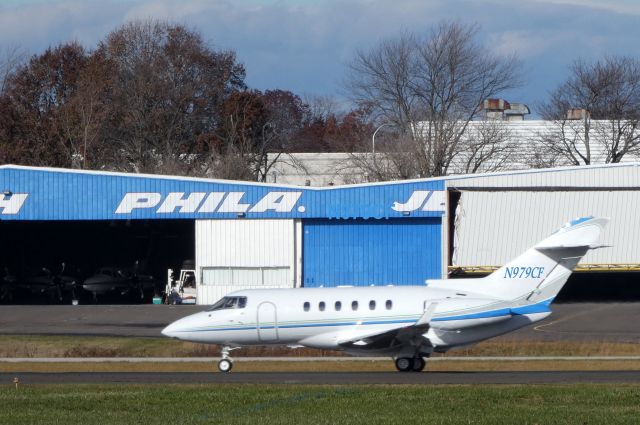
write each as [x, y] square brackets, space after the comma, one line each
[407, 323]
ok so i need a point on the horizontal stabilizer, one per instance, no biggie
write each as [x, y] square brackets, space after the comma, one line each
[581, 232]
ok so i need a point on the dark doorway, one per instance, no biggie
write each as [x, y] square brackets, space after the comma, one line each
[85, 246]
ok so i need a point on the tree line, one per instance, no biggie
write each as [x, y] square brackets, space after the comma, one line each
[429, 89]
[154, 97]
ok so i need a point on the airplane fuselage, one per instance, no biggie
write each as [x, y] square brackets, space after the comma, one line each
[325, 317]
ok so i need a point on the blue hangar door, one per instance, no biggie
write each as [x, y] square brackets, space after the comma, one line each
[402, 251]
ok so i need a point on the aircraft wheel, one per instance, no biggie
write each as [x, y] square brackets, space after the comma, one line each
[404, 364]
[225, 365]
[418, 364]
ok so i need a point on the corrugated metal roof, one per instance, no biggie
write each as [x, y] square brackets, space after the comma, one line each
[594, 176]
[522, 147]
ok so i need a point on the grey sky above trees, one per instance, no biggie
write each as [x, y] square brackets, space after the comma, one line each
[302, 45]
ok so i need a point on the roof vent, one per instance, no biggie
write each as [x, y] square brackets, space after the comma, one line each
[495, 105]
[494, 108]
[516, 112]
[577, 114]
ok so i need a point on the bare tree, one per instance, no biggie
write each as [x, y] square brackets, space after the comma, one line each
[397, 164]
[430, 87]
[36, 94]
[595, 113]
[241, 130]
[286, 115]
[487, 146]
[85, 114]
[255, 129]
[328, 128]
[167, 89]
[11, 57]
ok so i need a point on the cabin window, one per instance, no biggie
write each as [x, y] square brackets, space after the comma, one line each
[338, 305]
[389, 304]
[354, 305]
[227, 303]
[372, 305]
[321, 306]
[306, 306]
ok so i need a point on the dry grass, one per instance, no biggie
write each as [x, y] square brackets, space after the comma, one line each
[548, 348]
[33, 346]
[328, 366]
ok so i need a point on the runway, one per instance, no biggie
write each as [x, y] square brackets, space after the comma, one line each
[615, 322]
[323, 378]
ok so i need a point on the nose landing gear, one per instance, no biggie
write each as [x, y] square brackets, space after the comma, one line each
[226, 363]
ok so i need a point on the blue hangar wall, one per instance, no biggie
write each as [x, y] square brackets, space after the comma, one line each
[392, 251]
[373, 234]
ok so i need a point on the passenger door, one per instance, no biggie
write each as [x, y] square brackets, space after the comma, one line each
[267, 322]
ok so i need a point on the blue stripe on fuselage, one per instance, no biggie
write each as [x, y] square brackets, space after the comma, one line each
[541, 307]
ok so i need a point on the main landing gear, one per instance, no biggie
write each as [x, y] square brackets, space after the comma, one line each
[226, 363]
[409, 364]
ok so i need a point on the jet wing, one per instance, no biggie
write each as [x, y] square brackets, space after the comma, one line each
[405, 335]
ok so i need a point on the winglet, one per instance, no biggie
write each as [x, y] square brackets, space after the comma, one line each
[427, 315]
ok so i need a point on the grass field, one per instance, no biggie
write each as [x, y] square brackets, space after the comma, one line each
[97, 346]
[288, 404]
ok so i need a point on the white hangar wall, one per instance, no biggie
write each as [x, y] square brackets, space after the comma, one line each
[493, 227]
[498, 216]
[232, 255]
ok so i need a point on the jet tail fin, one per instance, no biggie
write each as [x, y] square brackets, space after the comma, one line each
[540, 272]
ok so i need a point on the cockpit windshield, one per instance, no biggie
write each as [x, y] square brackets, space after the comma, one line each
[227, 303]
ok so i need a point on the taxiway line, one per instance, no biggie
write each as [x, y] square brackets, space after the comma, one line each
[298, 359]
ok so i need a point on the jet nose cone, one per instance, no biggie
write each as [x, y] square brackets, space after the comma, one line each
[170, 331]
[188, 328]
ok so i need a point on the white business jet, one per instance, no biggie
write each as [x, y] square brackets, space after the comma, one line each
[408, 323]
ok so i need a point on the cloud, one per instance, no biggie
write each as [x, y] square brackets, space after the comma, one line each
[37, 25]
[617, 6]
[304, 45]
[529, 44]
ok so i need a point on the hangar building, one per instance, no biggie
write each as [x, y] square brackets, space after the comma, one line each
[247, 235]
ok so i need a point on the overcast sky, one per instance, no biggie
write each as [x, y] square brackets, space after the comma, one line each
[304, 45]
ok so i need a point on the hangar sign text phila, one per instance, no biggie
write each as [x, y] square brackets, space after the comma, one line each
[207, 202]
[195, 203]
[12, 204]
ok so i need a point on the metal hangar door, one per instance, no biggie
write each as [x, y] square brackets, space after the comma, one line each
[243, 254]
[399, 251]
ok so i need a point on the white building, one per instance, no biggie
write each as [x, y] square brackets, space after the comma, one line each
[524, 145]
